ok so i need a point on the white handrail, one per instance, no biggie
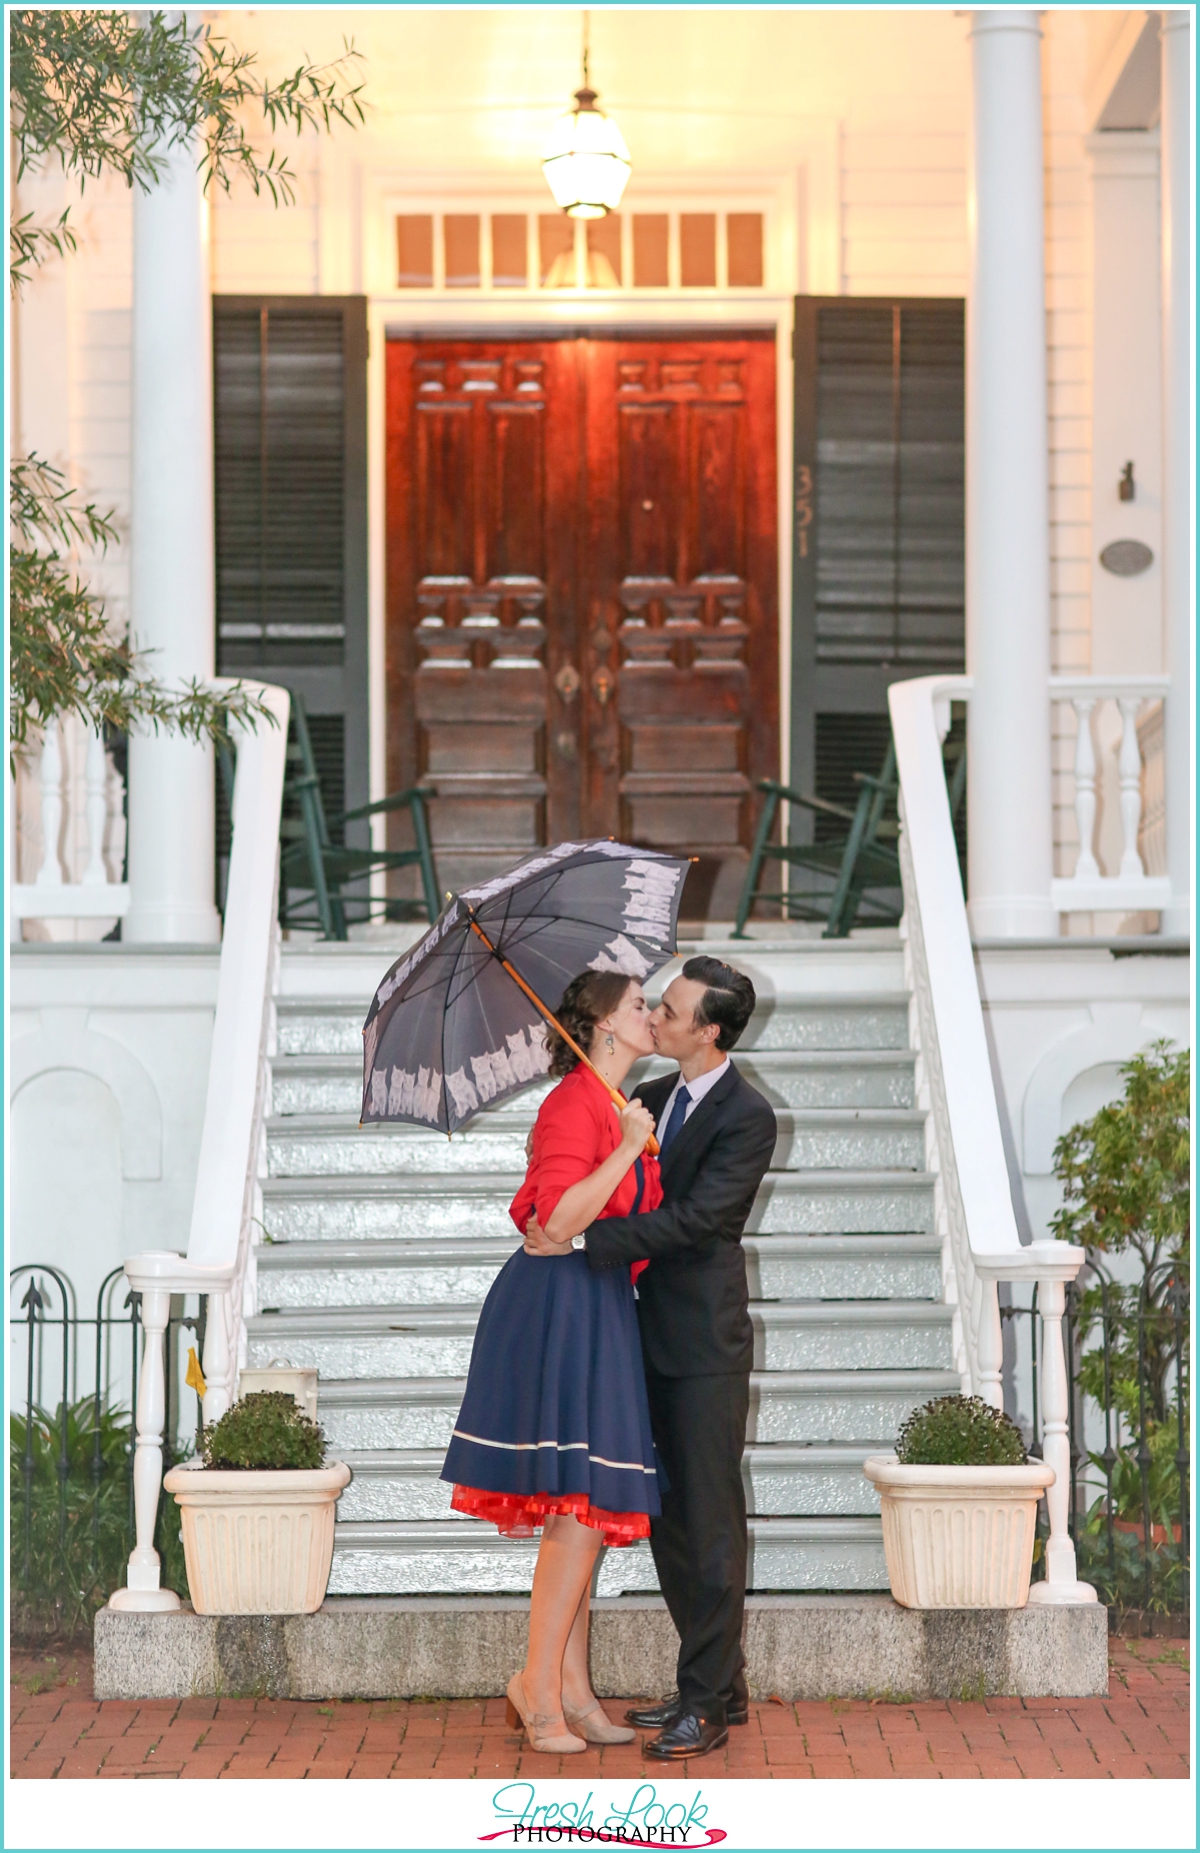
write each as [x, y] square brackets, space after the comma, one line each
[973, 1194]
[227, 1180]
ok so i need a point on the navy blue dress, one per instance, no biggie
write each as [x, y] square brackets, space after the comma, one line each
[555, 1416]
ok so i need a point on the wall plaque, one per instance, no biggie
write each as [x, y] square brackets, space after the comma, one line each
[1126, 558]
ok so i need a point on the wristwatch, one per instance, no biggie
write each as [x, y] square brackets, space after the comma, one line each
[578, 1241]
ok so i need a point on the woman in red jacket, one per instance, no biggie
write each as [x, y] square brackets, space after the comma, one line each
[554, 1430]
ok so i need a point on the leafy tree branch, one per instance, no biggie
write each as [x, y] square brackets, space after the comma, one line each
[108, 92]
[64, 658]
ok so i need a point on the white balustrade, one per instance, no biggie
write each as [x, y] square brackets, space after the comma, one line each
[227, 1196]
[69, 795]
[1131, 887]
[973, 1205]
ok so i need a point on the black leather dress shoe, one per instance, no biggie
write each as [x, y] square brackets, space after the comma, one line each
[655, 1717]
[690, 1735]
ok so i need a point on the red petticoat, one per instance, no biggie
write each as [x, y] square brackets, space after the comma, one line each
[518, 1515]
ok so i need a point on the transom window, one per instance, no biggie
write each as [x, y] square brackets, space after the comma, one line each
[645, 248]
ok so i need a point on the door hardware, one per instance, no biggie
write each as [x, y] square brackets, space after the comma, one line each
[602, 686]
[567, 681]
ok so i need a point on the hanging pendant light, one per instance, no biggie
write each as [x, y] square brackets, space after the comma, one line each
[586, 162]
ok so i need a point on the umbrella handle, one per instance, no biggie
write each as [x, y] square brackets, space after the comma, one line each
[614, 1093]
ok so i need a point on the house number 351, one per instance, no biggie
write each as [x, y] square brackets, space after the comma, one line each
[804, 507]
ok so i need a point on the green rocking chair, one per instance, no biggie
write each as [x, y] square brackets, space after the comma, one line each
[314, 870]
[861, 866]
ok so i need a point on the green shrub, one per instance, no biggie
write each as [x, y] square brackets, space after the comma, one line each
[959, 1431]
[70, 1538]
[267, 1429]
[1125, 1176]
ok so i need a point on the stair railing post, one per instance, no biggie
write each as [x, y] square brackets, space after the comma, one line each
[1061, 1585]
[217, 1362]
[142, 1591]
[991, 1346]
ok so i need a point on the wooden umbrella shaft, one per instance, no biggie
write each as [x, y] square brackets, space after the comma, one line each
[614, 1093]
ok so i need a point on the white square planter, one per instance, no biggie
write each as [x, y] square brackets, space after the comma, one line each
[256, 1542]
[958, 1537]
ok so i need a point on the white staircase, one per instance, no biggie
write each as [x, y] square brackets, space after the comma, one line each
[382, 1243]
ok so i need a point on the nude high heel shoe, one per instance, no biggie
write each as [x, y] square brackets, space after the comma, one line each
[596, 1726]
[518, 1714]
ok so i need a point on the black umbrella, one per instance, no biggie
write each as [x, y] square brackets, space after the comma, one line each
[460, 1021]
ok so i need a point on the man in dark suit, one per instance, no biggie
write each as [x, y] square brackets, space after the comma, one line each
[717, 1135]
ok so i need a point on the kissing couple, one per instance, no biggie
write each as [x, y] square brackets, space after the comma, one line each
[602, 1412]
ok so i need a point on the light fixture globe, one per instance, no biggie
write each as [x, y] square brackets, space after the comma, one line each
[586, 162]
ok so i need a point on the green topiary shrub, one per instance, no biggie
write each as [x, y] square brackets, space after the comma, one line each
[267, 1429]
[959, 1431]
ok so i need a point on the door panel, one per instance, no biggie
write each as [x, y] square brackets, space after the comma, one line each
[681, 464]
[582, 595]
[481, 584]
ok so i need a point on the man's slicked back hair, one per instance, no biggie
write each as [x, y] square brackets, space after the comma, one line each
[728, 998]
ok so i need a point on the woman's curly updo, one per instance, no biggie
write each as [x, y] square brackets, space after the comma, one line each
[587, 1000]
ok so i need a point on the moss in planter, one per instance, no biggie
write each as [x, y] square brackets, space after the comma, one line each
[959, 1431]
[265, 1430]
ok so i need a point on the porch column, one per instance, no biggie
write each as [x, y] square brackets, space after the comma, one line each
[171, 800]
[1008, 524]
[1177, 484]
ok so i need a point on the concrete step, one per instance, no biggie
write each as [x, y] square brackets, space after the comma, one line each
[419, 1341]
[360, 1208]
[326, 1084]
[785, 1406]
[436, 1557]
[809, 1647]
[293, 1275]
[330, 1145]
[851, 1019]
[781, 1481]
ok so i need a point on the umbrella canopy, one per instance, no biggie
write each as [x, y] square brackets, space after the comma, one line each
[451, 1031]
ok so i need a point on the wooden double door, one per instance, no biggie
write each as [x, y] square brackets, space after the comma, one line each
[582, 627]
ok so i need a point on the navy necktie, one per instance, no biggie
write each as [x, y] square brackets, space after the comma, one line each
[683, 1101]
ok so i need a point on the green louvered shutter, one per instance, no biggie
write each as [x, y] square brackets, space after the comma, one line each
[289, 377]
[878, 566]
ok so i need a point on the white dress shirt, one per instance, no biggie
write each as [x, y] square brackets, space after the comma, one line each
[697, 1089]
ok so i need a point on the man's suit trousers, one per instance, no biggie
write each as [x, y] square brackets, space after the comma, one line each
[699, 1543]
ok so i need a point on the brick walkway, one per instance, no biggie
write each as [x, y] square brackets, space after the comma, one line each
[1141, 1729]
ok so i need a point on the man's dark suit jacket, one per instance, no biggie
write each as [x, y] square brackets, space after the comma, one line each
[693, 1304]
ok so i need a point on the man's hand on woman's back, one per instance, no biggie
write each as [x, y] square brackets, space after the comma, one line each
[537, 1242]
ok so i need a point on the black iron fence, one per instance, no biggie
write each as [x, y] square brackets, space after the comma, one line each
[1129, 1365]
[71, 1446]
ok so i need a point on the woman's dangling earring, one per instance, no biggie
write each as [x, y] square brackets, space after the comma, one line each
[609, 1043]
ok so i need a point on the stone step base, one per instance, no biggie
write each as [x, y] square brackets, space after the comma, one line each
[797, 1647]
